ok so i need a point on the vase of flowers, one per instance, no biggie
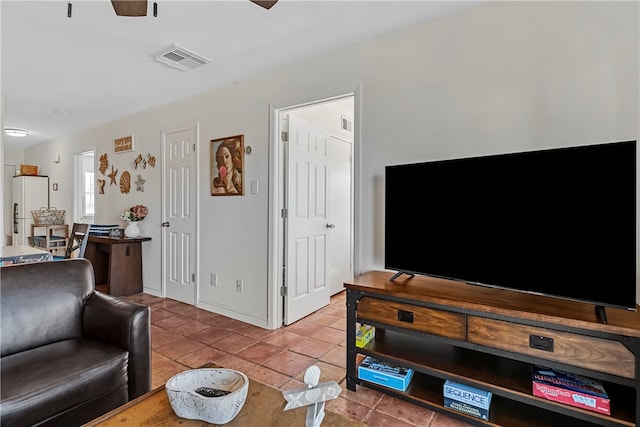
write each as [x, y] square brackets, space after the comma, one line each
[133, 215]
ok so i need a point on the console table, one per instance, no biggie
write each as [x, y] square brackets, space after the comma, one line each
[117, 263]
[488, 338]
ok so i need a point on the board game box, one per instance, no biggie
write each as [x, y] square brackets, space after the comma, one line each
[571, 389]
[384, 373]
[467, 399]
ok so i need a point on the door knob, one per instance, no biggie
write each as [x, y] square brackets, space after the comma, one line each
[165, 224]
[330, 225]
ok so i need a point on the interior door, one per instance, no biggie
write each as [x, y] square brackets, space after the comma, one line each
[307, 219]
[339, 261]
[179, 215]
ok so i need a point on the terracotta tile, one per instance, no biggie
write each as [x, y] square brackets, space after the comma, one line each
[378, 419]
[234, 343]
[161, 337]
[202, 357]
[268, 376]
[325, 333]
[282, 338]
[311, 347]
[408, 412]
[441, 420]
[363, 395]
[170, 322]
[337, 310]
[290, 363]
[260, 352]
[336, 356]
[177, 307]
[340, 324]
[159, 313]
[349, 409]
[302, 327]
[164, 368]
[210, 335]
[234, 362]
[190, 327]
[231, 324]
[321, 319]
[179, 348]
[252, 331]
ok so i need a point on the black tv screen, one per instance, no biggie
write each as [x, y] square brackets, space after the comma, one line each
[559, 222]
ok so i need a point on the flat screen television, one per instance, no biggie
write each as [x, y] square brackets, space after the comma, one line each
[558, 222]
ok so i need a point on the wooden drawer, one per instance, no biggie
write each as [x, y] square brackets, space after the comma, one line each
[572, 349]
[432, 321]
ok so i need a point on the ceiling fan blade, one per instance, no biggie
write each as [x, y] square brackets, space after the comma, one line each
[130, 7]
[265, 4]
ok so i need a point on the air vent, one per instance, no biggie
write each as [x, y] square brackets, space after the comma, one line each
[181, 58]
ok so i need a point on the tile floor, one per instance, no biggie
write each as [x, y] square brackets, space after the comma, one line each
[186, 337]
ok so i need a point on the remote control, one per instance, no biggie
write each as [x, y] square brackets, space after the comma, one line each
[211, 392]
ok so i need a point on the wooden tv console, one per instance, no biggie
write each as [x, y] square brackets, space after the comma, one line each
[489, 338]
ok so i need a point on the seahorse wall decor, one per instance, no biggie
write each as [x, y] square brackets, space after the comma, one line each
[104, 163]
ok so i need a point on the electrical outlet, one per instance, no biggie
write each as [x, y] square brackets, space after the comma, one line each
[214, 279]
[238, 285]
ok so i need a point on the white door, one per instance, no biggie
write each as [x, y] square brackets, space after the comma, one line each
[308, 226]
[179, 215]
[339, 265]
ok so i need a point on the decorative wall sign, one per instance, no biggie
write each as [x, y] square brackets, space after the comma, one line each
[125, 182]
[227, 163]
[104, 163]
[122, 145]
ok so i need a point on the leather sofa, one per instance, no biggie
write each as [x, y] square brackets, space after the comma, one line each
[68, 354]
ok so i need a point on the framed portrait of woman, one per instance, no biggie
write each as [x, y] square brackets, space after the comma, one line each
[227, 164]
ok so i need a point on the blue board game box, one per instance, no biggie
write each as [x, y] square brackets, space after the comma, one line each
[385, 373]
[467, 399]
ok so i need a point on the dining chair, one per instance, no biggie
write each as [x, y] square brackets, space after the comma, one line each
[77, 241]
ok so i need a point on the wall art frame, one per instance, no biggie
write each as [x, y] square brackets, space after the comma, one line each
[124, 144]
[227, 166]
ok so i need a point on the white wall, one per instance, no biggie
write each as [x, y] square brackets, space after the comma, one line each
[499, 77]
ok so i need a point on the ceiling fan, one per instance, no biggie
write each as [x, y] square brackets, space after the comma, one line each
[139, 7]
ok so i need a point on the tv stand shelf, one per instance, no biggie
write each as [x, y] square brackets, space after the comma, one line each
[481, 337]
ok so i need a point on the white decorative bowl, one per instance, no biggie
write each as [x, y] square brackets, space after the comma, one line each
[186, 403]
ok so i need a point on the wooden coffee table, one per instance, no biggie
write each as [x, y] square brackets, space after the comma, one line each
[264, 408]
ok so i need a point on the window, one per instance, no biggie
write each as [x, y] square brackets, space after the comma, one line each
[85, 187]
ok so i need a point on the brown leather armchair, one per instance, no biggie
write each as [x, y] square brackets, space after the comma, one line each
[68, 353]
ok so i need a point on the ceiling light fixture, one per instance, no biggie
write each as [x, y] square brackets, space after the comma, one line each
[18, 133]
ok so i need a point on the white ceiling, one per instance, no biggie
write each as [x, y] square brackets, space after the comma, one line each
[99, 67]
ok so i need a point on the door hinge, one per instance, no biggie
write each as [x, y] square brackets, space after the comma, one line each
[283, 291]
[194, 147]
[283, 213]
[193, 277]
[284, 136]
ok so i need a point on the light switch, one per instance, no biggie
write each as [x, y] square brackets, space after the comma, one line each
[254, 186]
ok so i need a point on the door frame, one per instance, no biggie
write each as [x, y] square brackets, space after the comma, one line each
[276, 194]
